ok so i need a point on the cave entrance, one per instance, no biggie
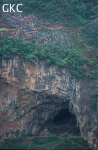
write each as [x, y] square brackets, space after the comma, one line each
[63, 117]
[65, 122]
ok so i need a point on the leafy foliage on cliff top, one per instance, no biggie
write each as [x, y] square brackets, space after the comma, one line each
[75, 12]
[70, 59]
[72, 13]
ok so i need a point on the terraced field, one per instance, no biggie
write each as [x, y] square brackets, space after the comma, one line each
[26, 27]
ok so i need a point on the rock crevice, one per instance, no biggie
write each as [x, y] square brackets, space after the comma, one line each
[31, 94]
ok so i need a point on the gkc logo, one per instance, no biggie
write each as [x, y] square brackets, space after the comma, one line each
[11, 8]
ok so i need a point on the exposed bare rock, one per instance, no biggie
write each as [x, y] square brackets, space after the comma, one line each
[31, 94]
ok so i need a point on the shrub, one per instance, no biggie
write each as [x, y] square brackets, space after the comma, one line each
[52, 76]
[75, 12]
[94, 94]
[17, 133]
[93, 102]
[70, 59]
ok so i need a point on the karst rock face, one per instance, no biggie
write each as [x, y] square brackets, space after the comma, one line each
[31, 94]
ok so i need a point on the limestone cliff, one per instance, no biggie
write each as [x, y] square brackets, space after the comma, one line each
[31, 94]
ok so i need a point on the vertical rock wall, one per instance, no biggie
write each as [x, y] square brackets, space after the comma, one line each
[31, 94]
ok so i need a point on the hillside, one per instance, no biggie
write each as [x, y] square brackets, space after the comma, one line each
[48, 71]
[73, 13]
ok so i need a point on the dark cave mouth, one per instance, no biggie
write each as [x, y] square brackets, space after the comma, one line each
[64, 122]
[63, 116]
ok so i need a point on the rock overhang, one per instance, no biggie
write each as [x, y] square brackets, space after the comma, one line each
[32, 93]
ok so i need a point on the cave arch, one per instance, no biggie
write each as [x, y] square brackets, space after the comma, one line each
[52, 114]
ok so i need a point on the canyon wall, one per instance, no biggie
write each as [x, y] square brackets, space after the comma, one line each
[31, 94]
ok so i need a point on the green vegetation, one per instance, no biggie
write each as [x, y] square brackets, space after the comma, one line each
[72, 13]
[75, 12]
[23, 69]
[52, 76]
[4, 29]
[95, 94]
[90, 33]
[96, 122]
[52, 142]
[93, 102]
[17, 114]
[17, 133]
[65, 58]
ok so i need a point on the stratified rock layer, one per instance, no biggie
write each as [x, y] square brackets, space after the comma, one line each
[31, 94]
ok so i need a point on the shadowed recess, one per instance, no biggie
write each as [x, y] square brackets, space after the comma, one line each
[64, 121]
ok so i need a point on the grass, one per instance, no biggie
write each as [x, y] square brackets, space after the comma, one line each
[51, 142]
[4, 29]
